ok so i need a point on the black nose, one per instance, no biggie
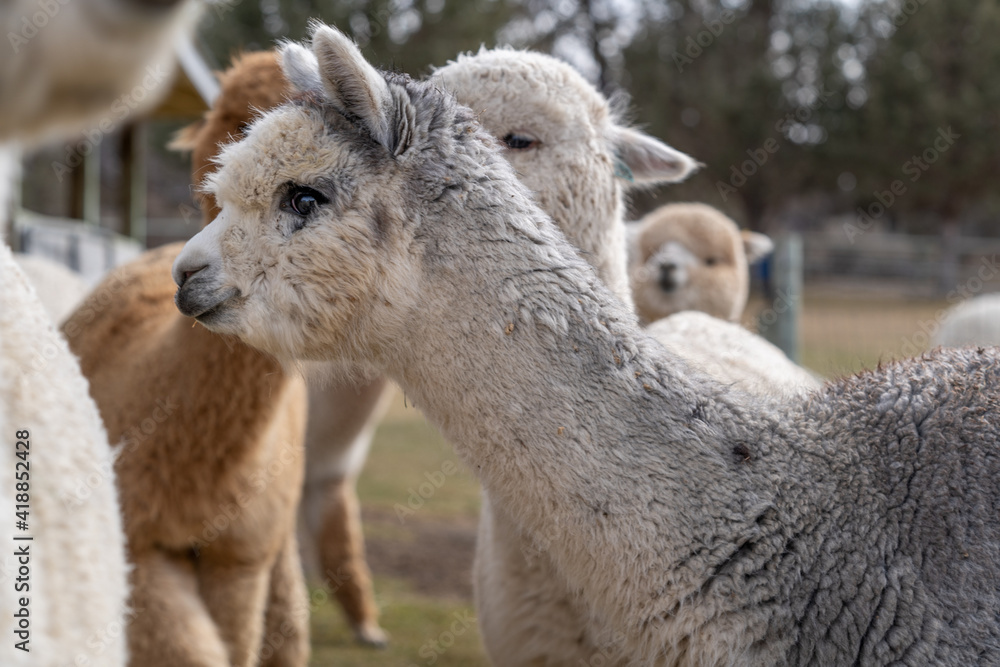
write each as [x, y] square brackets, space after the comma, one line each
[187, 274]
[667, 280]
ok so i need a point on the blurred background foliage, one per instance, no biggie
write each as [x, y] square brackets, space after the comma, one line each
[849, 91]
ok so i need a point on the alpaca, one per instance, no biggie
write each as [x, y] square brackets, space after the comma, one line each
[972, 322]
[209, 468]
[77, 581]
[77, 588]
[696, 523]
[574, 140]
[86, 64]
[562, 137]
[566, 143]
[342, 414]
[688, 265]
[567, 146]
[692, 257]
[730, 354]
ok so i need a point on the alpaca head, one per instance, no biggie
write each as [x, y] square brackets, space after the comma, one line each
[561, 136]
[692, 257]
[252, 84]
[325, 206]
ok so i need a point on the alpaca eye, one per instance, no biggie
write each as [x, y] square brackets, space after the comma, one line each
[711, 261]
[302, 201]
[519, 142]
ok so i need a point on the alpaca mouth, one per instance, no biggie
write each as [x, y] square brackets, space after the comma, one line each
[201, 304]
[668, 281]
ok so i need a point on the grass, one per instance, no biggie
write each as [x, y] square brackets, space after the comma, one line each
[414, 620]
[840, 334]
[407, 450]
[408, 453]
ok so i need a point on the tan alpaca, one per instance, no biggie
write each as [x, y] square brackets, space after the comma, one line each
[209, 465]
[688, 265]
[692, 257]
[233, 440]
[342, 414]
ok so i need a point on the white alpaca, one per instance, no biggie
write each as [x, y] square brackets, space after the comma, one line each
[562, 137]
[77, 584]
[696, 524]
[730, 354]
[59, 289]
[80, 66]
[972, 322]
[568, 148]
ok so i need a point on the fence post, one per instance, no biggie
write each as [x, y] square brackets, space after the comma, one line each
[779, 322]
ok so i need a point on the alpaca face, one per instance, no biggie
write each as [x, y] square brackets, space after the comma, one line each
[691, 257]
[553, 126]
[315, 252]
[560, 136]
[291, 257]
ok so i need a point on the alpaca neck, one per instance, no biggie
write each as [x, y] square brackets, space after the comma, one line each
[566, 411]
[597, 229]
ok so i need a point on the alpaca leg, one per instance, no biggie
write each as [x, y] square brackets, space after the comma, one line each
[286, 627]
[342, 555]
[169, 625]
[236, 597]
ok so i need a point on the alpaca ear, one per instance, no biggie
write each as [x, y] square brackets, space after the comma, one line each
[757, 246]
[649, 161]
[300, 68]
[352, 85]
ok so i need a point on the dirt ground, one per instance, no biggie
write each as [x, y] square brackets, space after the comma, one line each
[434, 556]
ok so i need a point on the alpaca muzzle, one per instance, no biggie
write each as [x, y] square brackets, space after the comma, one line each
[201, 297]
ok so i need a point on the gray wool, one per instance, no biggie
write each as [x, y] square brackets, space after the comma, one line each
[697, 524]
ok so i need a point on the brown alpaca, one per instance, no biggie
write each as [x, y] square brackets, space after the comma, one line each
[343, 414]
[209, 466]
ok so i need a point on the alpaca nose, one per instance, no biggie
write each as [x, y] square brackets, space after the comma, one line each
[668, 277]
[198, 254]
[185, 275]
